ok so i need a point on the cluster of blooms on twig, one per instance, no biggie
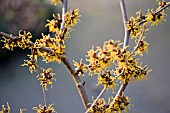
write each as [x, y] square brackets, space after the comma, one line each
[7, 110]
[99, 60]
[54, 48]
[45, 109]
[128, 67]
[101, 106]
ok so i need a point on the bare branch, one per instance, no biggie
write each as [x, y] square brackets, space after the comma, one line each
[124, 16]
[64, 10]
[79, 84]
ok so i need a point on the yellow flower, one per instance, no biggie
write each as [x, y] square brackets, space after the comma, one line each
[72, 18]
[134, 28]
[107, 80]
[54, 2]
[45, 78]
[143, 47]
[31, 64]
[120, 104]
[54, 25]
[80, 67]
[45, 109]
[5, 110]
[9, 43]
[154, 18]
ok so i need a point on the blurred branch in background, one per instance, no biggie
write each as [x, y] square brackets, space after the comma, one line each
[29, 15]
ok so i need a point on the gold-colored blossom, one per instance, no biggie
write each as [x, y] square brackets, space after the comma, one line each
[107, 80]
[5, 110]
[134, 28]
[132, 72]
[120, 104]
[35, 52]
[102, 58]
[155, 17]
[72, 18]
[21, 110]
[80, 67]
[161, 4]
[62, 36]
[56, 50]
[45, 41]
[31, 64]
[9, 43]
[44, 109]
[142, 47]
[56, 54]
[100, 107]
[54, 2]
[45, 78]
[23, 39]
[54, 24]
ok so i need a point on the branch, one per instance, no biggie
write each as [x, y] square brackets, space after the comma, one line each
[64, 10]
[126, 41]
[79, 84]
[137, 45]
[124, 16]
[158, 11]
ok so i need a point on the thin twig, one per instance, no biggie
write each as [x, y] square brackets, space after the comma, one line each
[44, 94]
[79, 84]
[64, 10]
[101, 93]
[124, 16]
[137, 45]
[126, 41]
[158, 11]
[120, 73]
[65, 60]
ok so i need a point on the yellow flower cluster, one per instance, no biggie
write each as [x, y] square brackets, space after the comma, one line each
[80, 67]
[102, 58]
[111, 54]
[100, 107]
[54, 25]
[8, 43]
[121, 103]
[45, 109]
[154, 17]
[107, 80]
[72, 18]
[22, 41]
[134, 25]
[142, 47]
[31, 64]
[54, 2]
[8, 109]
[45, 78]
[56, 52]
[5, 110]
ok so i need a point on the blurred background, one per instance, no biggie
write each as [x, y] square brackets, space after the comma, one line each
[101, 20]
